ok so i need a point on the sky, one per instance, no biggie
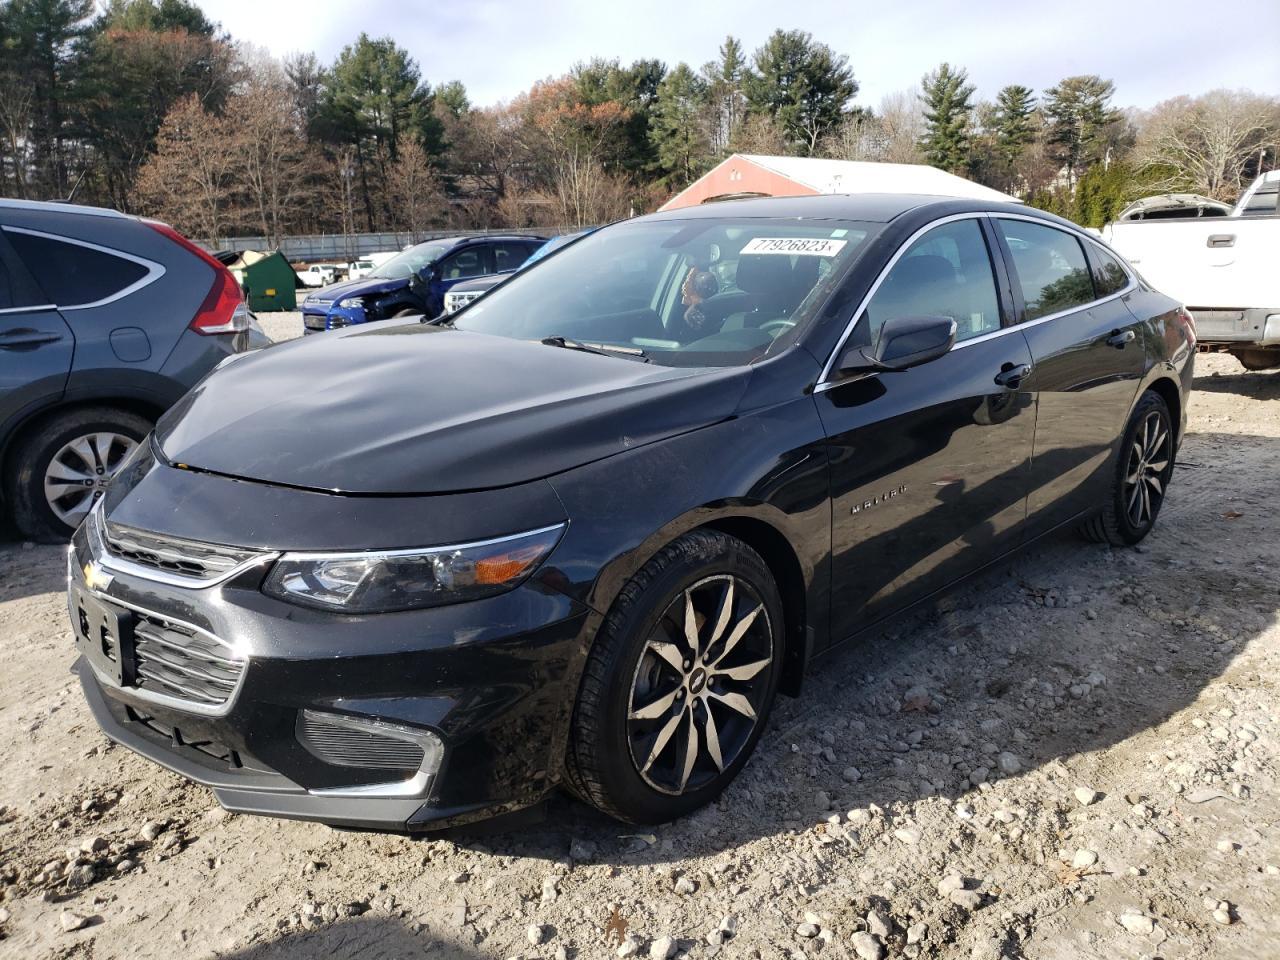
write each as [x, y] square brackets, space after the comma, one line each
[498, 48]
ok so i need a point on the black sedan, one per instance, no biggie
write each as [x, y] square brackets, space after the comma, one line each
[581, 532]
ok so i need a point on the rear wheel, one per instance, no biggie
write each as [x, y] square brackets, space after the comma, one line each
[62, 469]
[1143, 467]
[680, 682]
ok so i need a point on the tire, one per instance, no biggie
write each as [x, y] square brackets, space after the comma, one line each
[626, 758]
[1258, 359]
[1147, 453]
[32, 462]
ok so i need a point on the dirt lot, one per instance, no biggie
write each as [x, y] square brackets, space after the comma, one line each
[1074, 757]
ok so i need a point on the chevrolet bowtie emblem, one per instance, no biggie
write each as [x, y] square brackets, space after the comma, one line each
[95, 577]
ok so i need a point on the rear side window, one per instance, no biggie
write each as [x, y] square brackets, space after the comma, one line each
[1264, 202]
[1109, 277]
[6, 288]
[508, 256]
[946, 273]
[1050, 266]
[72, 275]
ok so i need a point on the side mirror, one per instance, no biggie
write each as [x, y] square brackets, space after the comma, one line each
[904, 342]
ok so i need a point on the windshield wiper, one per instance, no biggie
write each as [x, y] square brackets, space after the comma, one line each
[603, 349]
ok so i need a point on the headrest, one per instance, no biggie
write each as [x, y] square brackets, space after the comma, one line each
[923, 270]
[763, 273]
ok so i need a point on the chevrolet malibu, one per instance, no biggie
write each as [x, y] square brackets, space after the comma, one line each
[580, 533]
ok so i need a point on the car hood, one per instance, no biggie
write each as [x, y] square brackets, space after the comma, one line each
[406, 407]
[487, 282]
[360, 287]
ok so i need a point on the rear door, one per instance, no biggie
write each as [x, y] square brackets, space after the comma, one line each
[929, 466]
[36, 345]
[508, 255]
[1088, 355]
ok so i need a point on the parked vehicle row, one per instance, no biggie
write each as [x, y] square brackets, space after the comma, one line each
[415, 282]
[460, 294]
[1222, 268]
[581, 532]
[105, 321]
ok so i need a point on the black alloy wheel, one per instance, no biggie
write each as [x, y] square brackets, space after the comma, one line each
[679, 683]
[1143, 467]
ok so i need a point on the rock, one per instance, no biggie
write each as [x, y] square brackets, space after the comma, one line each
[979, 775]
[70, 920]
[662, 948]
[462, 877]
[851, 774]
[1084, 859]
[916, 699]
[879, 924]
[93, 845]
[1009, 764]
[1227, 846]
[150, 830]
[1222, 913]
[907, 835]
[963, 811]
[949, 883]
[822, 800]
[582, 850]
[217, 814]
[967, 899]
[917, 932]
[685, 886]
[859, 817]
[629, 947]
[808, 930]
[1138, 923]
[562, 952]
[1086, 796]
[80, 877]
[535, 934]
[4, 915]
[125, 865]
[1003, 816]
[866, 946]
[549, 890]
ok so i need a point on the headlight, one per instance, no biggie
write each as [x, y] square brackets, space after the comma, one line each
[349, 302]
[382, 581]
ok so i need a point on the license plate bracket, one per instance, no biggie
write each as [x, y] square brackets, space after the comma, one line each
[104, 634]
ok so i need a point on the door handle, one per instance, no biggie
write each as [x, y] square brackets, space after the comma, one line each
[17, 339]
[1221, 240]
[1012, 375]
[1119, 338]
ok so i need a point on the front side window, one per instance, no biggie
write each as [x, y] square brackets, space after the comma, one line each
[412, 261]
[1050, 267]
[1109, 277]
[471, 262]
[510, 254]
[1264, 202]
[73, 275]
[945, 273]
[699, 292]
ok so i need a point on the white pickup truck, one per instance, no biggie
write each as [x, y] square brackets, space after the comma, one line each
[1225, 270]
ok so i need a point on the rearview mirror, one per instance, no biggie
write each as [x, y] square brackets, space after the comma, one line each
[903, 342]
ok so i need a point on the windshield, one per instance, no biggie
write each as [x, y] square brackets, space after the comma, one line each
[411, 261]
[704, 292]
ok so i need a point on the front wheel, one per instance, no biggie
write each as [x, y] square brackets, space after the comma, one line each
[1143, 467]
[680, 681]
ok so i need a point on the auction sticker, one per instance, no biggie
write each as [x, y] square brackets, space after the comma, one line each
[790, 246]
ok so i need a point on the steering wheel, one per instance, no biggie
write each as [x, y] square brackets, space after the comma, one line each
[780, 326]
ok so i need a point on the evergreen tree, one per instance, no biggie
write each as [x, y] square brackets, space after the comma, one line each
[1013, 122]
[802, 84]
[1080, 120]
[726, 105]
[677, 126]
[948, 108]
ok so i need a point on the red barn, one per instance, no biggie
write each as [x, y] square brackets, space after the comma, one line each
[751, 175]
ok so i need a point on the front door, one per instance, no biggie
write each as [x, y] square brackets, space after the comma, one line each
[929, 466]
[1088, 353]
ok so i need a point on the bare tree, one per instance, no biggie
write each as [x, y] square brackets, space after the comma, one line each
[1207, 143]
[415, 189]
[189, 180]
[15, 121]
[901, 121]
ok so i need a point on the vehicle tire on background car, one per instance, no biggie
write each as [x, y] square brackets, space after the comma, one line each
[69, 452]
[1143, 466]
[688, 659]
[1258, 359]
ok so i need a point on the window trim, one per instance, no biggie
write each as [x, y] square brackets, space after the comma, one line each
[154, 270]
[824, 383]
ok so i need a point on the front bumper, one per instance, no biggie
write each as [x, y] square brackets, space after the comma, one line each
[490, 680]
[331, 317]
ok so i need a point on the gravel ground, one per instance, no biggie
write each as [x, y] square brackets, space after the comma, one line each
[281, 326]
[1074, 757]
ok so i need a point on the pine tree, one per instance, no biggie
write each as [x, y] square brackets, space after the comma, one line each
[801, 83]
[1014, 121]
[726, 104]
[1079, 115]
[677, 127]
[947, 98]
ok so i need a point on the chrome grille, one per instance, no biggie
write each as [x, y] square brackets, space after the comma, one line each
[354, 743]
[179, 661]
[173, 559]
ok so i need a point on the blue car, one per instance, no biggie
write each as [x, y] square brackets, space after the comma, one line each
[415, 281]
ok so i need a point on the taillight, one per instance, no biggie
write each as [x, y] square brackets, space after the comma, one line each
[223, 309]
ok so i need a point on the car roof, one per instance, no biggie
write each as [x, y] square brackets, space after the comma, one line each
[873, 207]
[57, 206]
[455, 241]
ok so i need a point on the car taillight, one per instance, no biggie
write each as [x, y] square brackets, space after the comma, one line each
[223, 309]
